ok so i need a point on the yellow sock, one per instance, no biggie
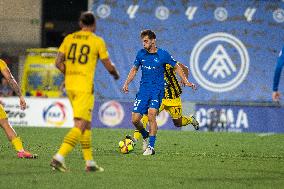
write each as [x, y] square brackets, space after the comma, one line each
[18, 144]
[70, 141]
[137, 135]
[186, 120]
[85, 141]
[144, 121]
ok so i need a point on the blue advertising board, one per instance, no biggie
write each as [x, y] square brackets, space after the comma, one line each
[240, 118]
[258, 119]
[114, 114]
[231, 47]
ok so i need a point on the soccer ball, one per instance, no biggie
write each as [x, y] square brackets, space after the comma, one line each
[126, 145]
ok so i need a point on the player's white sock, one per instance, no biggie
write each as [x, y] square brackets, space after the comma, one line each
[134, 140]
[59, 158]
[90, 163]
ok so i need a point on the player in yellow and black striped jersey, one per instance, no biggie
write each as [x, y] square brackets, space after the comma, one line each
[172, 101]
[173, 89]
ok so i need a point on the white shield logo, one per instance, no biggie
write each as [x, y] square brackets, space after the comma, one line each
[219, 73]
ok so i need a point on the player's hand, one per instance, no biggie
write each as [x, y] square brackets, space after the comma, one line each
[182, 83]
[23, 104]
[276, 96]
[125, 88]
[192, 85]
[189, 84]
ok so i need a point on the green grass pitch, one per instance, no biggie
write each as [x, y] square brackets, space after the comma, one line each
[183, 159]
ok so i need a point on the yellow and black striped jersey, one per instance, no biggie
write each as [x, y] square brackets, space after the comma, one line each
[173, 89]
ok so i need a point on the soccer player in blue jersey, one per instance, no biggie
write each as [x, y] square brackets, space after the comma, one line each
[152, 61]
[277, 73]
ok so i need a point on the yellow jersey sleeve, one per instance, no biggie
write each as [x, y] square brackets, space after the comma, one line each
[3, 64]
[103, 53]
[63, 48]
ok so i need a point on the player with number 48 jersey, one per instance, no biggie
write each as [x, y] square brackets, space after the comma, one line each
[77, 60]
[82, 49]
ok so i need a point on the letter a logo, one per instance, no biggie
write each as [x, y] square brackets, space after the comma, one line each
[219, 62]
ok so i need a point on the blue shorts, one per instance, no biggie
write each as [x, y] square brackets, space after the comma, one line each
[149, 99]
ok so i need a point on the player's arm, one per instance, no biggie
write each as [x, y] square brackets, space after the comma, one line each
[104, 57]
[59, 62]
[183, 77]
[110, 68]
[14, 85]
[130, 77]
[179, 70]
[185, 71]
[276, 79]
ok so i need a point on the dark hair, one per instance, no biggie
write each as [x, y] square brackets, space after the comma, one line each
[87, 18]
[148, 33]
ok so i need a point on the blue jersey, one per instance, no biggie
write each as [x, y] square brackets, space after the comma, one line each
[278, 69]
[153, 67]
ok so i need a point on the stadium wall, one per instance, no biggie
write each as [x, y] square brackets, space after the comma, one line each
[20, 24]
[231, 47]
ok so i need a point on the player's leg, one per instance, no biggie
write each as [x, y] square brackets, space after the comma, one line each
[154, 106]
[84, 108]
[190, 120]
[85, 141]
[174, 108]
[182, 120]
[152, 113]
[144, 121]
[136, 121]
[87, 150]
[12, 136]
[140, 108]
[69, 142]
[137, 134]
[82, 104]
[73, 136]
